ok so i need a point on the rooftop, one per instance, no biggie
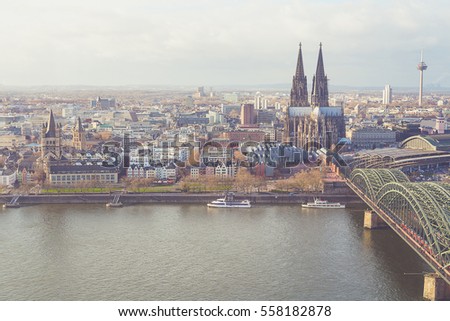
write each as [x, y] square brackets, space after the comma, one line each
[430, 142]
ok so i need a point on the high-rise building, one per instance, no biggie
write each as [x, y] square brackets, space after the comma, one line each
[247, 114]
[201, 91]
[387, 95]
[318, 124]
[258, 101]
[265, 103]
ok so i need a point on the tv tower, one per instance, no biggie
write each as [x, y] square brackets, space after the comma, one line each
[421, 67]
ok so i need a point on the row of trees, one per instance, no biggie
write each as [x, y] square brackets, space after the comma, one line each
[306, 181]
[243, 182]
[138, 184]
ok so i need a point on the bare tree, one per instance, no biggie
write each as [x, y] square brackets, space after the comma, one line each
[243, 180]
[259, 183]
[39, 176]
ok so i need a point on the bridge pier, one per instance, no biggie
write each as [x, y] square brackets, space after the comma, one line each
[435, 288]
[373, 221]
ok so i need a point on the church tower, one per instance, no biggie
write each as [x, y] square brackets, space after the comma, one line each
[313, 125]
[79, 136]
[319, 94]
[440, 123]
[299, 91]
[51, 138]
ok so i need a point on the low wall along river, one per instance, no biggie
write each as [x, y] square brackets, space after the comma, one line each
[140, 198]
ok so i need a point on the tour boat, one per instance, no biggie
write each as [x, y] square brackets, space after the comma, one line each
[322, 204]
[228, 201]
[11, 205]
[111, 204]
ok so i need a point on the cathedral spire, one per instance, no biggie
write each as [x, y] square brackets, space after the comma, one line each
[299, 91]
[320, 70]
[319, 94]
[300, 72]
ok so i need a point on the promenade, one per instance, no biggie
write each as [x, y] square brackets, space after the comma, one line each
[194, 198]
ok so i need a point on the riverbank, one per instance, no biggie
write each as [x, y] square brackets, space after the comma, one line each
[194, 198]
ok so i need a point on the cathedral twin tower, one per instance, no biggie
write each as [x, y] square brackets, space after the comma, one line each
[315, 122]
[299, 91]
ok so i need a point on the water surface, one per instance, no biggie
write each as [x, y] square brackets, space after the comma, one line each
[190, 252]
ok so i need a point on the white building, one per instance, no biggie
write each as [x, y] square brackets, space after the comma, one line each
[258, 100]
[387, 95]
[371, 137]
[7, 177]
[441, 124]
[162, 173]
[221, 171]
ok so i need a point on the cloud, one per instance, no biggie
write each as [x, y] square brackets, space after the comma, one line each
[219, 42]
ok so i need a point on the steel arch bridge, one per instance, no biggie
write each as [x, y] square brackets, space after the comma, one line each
[418, 212]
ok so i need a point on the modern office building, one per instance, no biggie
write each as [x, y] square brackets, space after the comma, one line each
[387, 95]
[248, 116]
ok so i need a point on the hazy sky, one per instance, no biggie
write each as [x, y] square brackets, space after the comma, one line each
[221, 42]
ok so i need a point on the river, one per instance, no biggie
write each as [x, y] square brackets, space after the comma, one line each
[191, 252]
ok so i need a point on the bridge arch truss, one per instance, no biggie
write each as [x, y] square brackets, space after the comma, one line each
[422, 210]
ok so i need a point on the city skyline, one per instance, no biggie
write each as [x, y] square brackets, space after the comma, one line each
[173, 43]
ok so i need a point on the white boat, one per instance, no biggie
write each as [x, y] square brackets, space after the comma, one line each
[111, 204]
[228, 201]
[322, 204]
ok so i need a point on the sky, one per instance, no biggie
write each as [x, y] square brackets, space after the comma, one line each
[222, 42]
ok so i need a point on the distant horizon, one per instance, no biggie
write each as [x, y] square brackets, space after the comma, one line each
[115, 43]
[285, 87]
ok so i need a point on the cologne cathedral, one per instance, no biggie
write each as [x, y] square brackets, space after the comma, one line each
[313, 122]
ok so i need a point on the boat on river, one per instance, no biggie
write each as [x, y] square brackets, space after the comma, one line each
[229, 202]
[322, 204]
